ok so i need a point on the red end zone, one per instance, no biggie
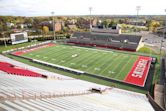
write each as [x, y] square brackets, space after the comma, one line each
[32, 49]
[139, 71]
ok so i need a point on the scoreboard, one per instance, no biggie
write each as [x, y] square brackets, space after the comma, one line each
[17, 38]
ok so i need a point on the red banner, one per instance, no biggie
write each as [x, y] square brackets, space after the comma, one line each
[139, 71]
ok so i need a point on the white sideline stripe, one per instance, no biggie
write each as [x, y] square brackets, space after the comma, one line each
[6, 107]
[16, 106]
[33, 104]
[25, 105]
[43, 105]
[63, 67]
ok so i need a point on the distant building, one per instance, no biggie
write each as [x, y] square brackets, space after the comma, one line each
[111, 30]
[161, 30]
[94, 22]
[71, 21]
[58, 26]
[9, 24]
[83, 23]
[72, 27]
[138, 22]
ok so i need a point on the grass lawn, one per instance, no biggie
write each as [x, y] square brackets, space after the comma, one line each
[106, 63]
[147, 50]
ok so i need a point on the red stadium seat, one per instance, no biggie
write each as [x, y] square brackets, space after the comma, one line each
[11, 69]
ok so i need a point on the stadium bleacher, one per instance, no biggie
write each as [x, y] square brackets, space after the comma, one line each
[115, 41]
[34, 69]
[36, 94]
[12, 69]
[25, 93]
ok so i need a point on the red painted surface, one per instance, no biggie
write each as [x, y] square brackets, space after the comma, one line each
[32, 49]
[139, 71]
[15, 70]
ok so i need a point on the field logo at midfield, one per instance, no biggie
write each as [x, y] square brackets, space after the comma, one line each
[139, 71]
[32, 49]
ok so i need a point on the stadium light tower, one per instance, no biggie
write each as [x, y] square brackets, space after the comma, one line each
[164, 25]
[53, 23]
[138, 8]
[90, 10]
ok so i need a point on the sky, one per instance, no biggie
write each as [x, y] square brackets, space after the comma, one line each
[81, 7]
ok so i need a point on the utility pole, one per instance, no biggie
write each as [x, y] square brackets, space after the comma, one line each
[53, 24]
[90, 10]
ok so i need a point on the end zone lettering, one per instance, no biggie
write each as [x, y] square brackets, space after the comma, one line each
[139, 70]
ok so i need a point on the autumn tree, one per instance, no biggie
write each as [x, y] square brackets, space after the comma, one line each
[152, 25]
[45, 29]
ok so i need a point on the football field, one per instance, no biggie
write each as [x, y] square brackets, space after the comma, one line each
[95, 61]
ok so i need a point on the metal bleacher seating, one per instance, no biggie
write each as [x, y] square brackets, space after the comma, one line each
[115, 41]
[25, 93]
[112, 100]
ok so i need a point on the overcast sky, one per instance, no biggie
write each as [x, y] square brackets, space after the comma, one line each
[80, 7]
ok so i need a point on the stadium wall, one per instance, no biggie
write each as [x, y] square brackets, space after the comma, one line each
[154, 104]
[103, 46]
[146, 87]
[163, 71]
[111, 80]
[165, 95]
[78, 72]
[21, 57]
[140, 46]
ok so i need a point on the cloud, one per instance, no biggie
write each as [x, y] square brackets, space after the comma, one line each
[79, 7]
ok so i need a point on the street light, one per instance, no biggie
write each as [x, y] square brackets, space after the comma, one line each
[138, 8]
[90, 10]
[53, 24]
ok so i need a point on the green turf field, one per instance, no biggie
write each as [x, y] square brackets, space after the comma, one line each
[106, 63]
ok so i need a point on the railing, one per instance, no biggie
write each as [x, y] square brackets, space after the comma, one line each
[25, 95]
[58, 66]
[154, 104]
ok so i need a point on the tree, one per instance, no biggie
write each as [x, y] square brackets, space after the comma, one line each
[112, 23]
[105, 23]
[45, 29]
[152, 25]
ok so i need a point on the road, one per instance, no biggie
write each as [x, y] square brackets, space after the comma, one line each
[152, 40]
